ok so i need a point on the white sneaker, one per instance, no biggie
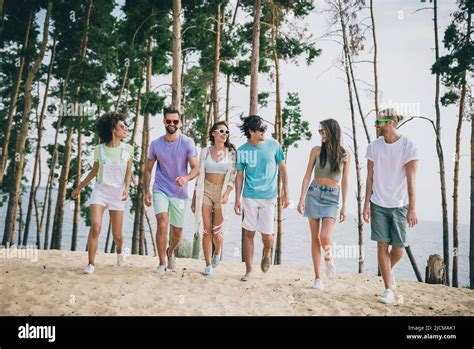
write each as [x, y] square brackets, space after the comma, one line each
[388, 297]
[394, 282]
[318, 284]
[120, 259]
[160, 270]
[207, 270]
[89, 269]
[330, 269]
[171, 262]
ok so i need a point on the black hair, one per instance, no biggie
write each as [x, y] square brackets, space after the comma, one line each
[332, 149]
[107, 122]
[251, 122]
[170, 110]
[227, 143]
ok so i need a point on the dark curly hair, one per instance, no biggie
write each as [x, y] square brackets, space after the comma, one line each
[251, 122]
[227, 143]
[107, 122]
[170, 110]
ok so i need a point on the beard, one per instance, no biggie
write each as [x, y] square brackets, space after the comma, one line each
[171, 129]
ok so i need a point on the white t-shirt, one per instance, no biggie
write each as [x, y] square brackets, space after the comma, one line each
[389, 186]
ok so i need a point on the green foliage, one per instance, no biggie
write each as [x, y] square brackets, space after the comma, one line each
[294, 129]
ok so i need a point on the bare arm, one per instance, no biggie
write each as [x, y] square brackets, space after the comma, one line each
[344, 185]
[239, 182]
[307, 177]
[194, 164]
[368, 190]
[90, 176]
[284, 177]
[410, 170]
[146, 180]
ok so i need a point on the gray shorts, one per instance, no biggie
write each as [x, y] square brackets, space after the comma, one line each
[321, 201]
[389, 225]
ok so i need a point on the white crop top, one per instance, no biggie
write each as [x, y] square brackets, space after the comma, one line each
[220, 167]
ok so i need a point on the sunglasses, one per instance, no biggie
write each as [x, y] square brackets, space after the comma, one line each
[175, 122]
[379, 121]
[123, 127]
[321, 131]
[261, 129]
[222, 131]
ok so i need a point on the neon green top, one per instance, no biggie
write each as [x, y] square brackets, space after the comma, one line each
[111, 154]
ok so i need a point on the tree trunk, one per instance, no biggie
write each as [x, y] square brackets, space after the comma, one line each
[217, 62]
[376, 83]
[227, 89]
[227, 98]
[176, 78]
[356, 94]
[140, 207]
[18, 166]
[77, 202]
[471, 242]
[435, 270]
[354, 139]
[255, 58]
[56, 235]
[439, 150]
[456, 184]
[278, 130]
[108, 238]
[13, 101]
[462, 100]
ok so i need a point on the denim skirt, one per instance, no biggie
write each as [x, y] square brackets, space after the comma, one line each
[321, 201]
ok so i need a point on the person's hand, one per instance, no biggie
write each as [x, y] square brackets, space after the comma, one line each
[193, 203]
[366, 213]
[75, 193]
[181, 181]
[411, 218]
[225, 198]
[237, 208]
[285, 200]
[342, 214]
[125, 194]
[301, 207]
[147, 198]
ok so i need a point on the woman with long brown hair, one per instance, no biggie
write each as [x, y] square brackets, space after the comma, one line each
[320, 201]
[211, 193]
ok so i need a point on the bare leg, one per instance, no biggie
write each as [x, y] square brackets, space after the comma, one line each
[206, 237]
[327, 226]
[315, 246]
[116, 218]
[217, 237]
[161, 238]
[176, 234]
[97, 211]
[248, 249]
[384, 263]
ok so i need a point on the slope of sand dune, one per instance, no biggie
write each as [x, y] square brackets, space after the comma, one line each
[55, 285]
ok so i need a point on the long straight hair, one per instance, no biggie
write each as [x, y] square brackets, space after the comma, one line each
[332, 149]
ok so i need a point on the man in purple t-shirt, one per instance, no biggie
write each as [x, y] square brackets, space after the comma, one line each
[172, 153]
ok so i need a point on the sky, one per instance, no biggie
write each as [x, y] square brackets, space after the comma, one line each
[405, 41]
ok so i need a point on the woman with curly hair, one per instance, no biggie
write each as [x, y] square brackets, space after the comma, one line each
[113, 169]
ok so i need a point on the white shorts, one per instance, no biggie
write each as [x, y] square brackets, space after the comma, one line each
[108, 196]
[258, 215]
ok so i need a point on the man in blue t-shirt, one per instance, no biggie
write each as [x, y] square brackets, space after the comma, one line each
[258, 162]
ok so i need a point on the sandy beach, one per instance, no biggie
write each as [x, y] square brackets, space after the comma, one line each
[55, 285]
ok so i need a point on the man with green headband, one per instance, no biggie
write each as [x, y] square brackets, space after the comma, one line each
[390, 194]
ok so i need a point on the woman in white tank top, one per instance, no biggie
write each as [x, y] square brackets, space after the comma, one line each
[211, 193]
